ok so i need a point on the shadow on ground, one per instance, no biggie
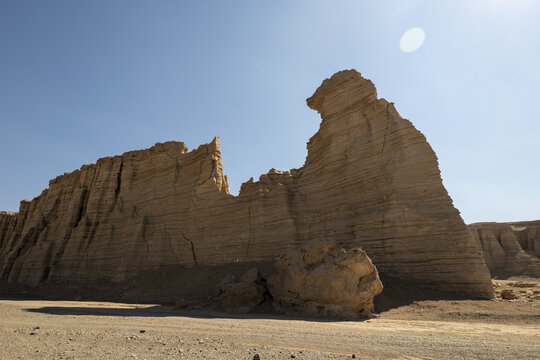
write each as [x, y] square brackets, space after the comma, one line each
[396, 293]
[169, 311]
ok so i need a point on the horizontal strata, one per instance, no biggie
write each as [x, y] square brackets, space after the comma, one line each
[509, 248]
[370, 179]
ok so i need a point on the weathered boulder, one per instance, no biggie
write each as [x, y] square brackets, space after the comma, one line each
[322, 279]
[370, 179]
[509, 248]
[508, 294]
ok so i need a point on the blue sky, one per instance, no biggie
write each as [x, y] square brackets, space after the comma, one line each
[82, 80]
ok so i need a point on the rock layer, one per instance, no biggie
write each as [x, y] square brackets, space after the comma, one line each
[509, 248]
[370, 179]
[320, 279]
[8, 222]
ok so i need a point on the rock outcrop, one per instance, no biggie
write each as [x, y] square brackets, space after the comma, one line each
[320, 279]
[370, 179]
[509, 248]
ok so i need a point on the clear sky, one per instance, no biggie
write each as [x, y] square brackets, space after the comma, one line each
[80, 80]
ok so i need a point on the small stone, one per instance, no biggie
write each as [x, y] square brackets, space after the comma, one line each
[36, 328]
[256, 357]
[292, 356]
[508, 294]
[32, 333]
[142, 331]
[353, 356]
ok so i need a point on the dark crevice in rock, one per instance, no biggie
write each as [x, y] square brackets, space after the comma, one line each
[193, 253]
[118, 183]
[82, 206]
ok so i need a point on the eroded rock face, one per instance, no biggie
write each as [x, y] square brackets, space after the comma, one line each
[320, 279]
[124, 215]
[509, 248]
[370, 179]
[8, 222]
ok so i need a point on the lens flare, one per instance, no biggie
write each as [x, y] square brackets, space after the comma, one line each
[412, 40]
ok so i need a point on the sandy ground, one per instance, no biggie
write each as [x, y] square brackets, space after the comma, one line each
[444, 329]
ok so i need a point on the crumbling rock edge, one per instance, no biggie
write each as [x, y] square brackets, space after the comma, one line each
[370, 179]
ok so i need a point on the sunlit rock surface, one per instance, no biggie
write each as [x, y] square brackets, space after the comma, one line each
[370, 179]
[509, 248]
[321, 279]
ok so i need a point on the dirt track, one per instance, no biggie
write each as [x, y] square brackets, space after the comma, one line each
[65, 329]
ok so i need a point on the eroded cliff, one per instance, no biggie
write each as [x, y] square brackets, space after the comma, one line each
[370, 179]
[509, 248]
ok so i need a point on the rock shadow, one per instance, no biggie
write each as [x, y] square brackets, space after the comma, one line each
[170, 311]
[399, 292]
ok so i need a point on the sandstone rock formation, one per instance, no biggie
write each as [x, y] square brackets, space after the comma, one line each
[370, 179]
[509, 248]
[8, 222]
[321, 279]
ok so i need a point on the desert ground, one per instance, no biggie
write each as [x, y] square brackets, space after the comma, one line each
[429, 329]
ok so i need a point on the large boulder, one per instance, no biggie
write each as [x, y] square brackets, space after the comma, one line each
[322, 279]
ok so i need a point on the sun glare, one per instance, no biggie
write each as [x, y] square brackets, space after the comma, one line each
[412, 40]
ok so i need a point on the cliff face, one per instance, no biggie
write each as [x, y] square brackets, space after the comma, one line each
[115, 218]
[370, 179]
[8, 222]
[509, 248]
